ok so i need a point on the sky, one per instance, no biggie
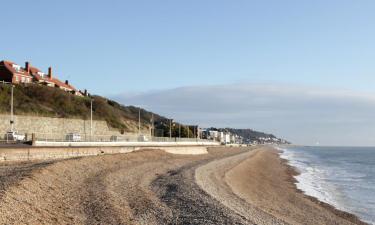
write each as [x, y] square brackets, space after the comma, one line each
[264, 58]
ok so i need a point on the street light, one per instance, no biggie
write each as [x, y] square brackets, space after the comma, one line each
[91, 101]
[179, 130]
[170, 128]
[152, 125]
[139, 120]
[11, 109]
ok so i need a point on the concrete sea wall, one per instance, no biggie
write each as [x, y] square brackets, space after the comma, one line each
[124, 144]
[45, 153]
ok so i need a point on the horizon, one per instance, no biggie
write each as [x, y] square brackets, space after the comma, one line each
[300, 70]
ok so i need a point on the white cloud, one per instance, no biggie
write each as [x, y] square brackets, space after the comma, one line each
[304, 115]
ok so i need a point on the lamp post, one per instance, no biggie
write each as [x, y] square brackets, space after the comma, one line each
[139, 121]
[170, 128]
[11, 109]
[179, 130]
[91, 101]
[152, 125]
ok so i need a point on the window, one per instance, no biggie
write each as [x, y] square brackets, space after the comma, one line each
[17, 79]
[22, 79]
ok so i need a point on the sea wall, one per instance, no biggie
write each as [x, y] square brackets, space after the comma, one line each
[46, 153]
[196, 142]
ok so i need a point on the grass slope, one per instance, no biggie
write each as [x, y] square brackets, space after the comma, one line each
[52, 102]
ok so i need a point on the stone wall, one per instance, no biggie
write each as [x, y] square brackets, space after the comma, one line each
[55, 127]
[34, 124]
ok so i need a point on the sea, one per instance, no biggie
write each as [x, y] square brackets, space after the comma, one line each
[341, 176]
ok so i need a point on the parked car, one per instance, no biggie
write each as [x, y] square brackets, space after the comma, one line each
[73, 137]
[14, 136]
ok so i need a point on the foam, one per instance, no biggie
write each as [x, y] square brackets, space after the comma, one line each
[337, 185]
[311, 180]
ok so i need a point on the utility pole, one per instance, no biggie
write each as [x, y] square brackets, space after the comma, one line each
[179, 130]
[11, 109]
[139, 121]
[152, 125]
[91, 100]
[170, 128]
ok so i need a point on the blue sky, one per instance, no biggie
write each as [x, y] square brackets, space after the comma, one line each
[117, 47]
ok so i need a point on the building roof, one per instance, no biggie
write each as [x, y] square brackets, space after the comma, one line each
[63, 84]
[35, 73]
[34, 70]
[9, 66]
[56, 81]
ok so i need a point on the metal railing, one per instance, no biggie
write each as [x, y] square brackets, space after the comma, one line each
[76, 137]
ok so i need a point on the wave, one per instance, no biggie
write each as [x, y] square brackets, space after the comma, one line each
[310, 179]
[335, 183]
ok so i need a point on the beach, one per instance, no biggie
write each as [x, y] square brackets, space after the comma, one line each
[250, 185]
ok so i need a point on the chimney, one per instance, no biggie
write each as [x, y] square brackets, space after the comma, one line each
[27, 67]
[50, 72]
[85, 92]
[67, 82]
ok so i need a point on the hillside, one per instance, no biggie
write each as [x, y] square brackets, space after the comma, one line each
[250, 135]
[52, 102]
[40, 100]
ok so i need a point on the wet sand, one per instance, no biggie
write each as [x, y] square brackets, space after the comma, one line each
[266, 181]
[226, 186]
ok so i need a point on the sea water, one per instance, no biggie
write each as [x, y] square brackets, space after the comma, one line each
[341, 176]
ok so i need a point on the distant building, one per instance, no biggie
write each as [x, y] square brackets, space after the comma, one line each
[233, 138]
[214, 135]
[12, 73]
[224, 137]
[221, 137]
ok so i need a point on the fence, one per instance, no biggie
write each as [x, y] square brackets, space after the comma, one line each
[76, 137]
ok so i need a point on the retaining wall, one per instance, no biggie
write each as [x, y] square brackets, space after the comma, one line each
[57, 128]
[50, 125]
[44, 153]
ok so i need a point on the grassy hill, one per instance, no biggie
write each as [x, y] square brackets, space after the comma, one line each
[250, 135]
[33, 99]
[52, 102]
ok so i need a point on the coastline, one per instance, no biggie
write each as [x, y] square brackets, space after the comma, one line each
[267, 181]
[226, 186]
[292, 171]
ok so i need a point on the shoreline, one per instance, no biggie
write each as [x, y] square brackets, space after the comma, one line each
[293, 172]
[266, 181]
[226, 186]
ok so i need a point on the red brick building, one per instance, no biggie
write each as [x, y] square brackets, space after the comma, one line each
[12, 73]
